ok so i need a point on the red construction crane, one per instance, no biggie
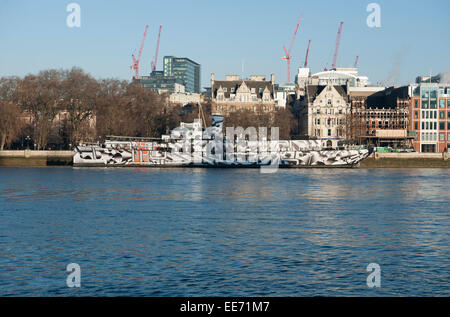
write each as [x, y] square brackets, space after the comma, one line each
[157, 49]
[288, 56]
[356, 62]
[135, 65]
[307, 53]
[338, 41]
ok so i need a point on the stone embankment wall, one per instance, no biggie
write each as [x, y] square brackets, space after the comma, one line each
[406, 160]
[35, 158]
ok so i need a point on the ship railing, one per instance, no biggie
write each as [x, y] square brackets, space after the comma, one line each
[130, 138]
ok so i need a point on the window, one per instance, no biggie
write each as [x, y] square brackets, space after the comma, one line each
[435, 126]
[318, 111]
[416, 115]
[448, 103]
[441, 125]
[416, 125]
[433, 92]
[441, 136]
[448, 114]
[329, 101]
[225, 89]
[441, 114]
[232, 89]
[441, 103]
[448, 125]
[340, 111]
[416, 103]
[329, 132]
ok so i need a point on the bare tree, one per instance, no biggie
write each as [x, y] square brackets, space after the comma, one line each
[77, 101]
[10, 123]
[40, 96]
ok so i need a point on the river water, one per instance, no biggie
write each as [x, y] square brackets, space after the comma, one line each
[224, 232]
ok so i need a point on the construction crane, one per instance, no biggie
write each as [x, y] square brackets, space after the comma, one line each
[307, 54]
[356, 62]
[338, 41]
[136, 61]
[153, 63]
[288, 56]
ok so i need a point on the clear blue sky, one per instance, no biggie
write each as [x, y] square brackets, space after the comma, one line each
[220, 34]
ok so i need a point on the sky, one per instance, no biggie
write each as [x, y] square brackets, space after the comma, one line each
[223, 36]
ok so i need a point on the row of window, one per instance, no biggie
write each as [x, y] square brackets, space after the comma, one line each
[332, 122]
[233, 108]
[381, 115]
[432, 136]
[431, 125]
[432, 103]
[429, 136]
[340, 132]
[329, 102]
[330, 111]
[388, 125]
[431, 114]
[233, 89]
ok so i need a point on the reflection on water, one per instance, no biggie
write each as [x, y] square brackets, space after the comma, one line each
[216, 232]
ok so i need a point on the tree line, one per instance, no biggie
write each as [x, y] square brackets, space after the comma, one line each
[57, 109]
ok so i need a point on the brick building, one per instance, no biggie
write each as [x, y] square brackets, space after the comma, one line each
[430, 115]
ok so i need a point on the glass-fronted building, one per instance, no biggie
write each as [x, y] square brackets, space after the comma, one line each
[185, 70]
[430, 116]
[160, 83]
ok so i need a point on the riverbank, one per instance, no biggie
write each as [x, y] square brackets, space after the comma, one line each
[406, 160]
[28, 158]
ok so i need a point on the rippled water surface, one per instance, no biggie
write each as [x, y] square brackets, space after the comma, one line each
[224, 232]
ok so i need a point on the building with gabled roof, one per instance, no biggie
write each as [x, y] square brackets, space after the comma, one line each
[233, 94]
[322, 113]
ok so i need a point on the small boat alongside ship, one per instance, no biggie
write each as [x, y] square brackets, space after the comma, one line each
[192, 145]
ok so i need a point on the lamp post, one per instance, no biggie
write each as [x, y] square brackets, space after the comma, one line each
[27, 140]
